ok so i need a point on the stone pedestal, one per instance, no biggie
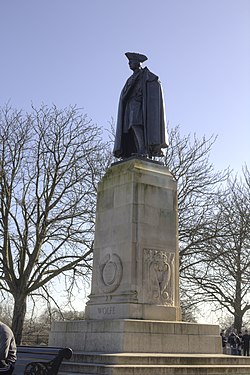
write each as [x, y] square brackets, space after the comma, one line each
[134, 302]
[136, 265]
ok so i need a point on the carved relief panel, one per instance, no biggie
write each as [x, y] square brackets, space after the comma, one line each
[158, 276]
[110, 273]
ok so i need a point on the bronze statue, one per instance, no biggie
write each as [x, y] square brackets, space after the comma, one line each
[141, 128]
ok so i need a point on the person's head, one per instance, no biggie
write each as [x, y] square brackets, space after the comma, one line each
[246, 331]
[135, 60]
[134, 64]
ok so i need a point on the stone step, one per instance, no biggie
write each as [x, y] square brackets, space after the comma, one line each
[97, 369]
[157, 364]
[159, 358]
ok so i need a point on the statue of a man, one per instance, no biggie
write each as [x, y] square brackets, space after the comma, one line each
[141, 128]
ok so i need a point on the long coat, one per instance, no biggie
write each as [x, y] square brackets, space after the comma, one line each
[153, 117]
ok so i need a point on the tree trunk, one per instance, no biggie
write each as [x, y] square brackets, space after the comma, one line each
[19, 312]
[238, 322]
[238, 302]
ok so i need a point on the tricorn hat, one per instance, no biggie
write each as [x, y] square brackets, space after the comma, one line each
[136, 56]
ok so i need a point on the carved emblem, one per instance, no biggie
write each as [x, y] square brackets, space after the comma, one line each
[110, 273]
[159, 274]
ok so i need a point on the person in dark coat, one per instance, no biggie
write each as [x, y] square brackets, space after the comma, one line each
[240, 343]
[234, 341]
[223, 340]
[141, 127]
[7, 350]
[245, 342]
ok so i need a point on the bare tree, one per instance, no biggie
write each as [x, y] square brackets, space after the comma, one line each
[222, 272]
[188, 160]
[50, 163]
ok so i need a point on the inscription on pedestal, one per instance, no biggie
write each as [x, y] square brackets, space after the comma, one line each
[109, 310]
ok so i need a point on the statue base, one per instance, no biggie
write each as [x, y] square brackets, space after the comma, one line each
[134, 305]
[135, 261]
[136, 336]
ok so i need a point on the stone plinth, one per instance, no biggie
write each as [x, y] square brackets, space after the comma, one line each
[134, 303]
[135, 266]
[136, 336]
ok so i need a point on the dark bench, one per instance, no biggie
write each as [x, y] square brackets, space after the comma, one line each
[40, 360]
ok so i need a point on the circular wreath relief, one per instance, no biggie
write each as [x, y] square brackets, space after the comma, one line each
[110, 274]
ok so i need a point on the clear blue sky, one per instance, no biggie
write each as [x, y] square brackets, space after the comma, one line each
[72, 52]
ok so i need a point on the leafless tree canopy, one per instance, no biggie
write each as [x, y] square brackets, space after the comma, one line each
[49, 168]
[198, 183]
[222, 271]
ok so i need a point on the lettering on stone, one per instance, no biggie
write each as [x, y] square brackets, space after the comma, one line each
[110, 273]
[109, 310]
[158, 267]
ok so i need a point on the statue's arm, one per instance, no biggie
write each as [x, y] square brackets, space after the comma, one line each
[128, 87]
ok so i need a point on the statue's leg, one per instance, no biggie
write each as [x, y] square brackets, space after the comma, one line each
[139, 140]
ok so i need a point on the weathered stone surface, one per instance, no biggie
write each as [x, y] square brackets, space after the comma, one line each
[156, 364]
[136, 336]
[135, 268]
